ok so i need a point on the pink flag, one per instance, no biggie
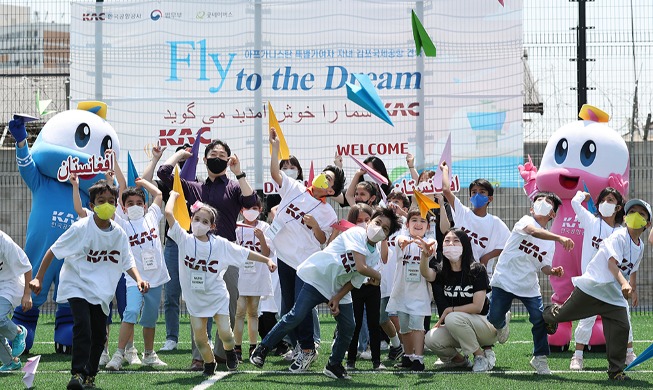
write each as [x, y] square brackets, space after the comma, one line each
[342, 225]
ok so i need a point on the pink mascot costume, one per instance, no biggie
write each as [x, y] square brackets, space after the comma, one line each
[584, 152]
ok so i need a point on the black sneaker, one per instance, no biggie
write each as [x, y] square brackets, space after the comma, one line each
[405, 364]
[239, 353]
[396, 353]
[618, 376]
[209, 369]
[336, 371]
[232, 360]
[252, 347]
[89, 382]
[258, 357]
[76, 382]
[281, 348]
[417, 366]
[551, 328]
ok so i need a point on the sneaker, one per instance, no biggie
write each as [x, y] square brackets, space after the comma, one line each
[209, 369]
[378, 366]
[131, 356]
[576, 363]
[303, 361]
[115, 364]
[153, 360]
[89, 382]
[480, 364]
[336, 371]
[618, 376]
[491, 358]
[281, 349]
[258, 357]
[504, 333]
[292, 354]
[169, 345]
[384, 345]
[405, 363]
[232, 360]
[76, 382]
[196, 365]
[13, 366]
[18, 345]
[104, 358]
[540, 364]
[396, 353]
[351, 366]
[366, 355]
[630, 357]
[238, 350]
[252, 347]
[417, 366]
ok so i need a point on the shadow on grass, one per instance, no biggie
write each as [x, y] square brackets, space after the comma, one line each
[308, 381]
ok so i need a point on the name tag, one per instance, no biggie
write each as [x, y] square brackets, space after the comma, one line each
[248, 268]
[412, 272]
[149, 259]
[274, 229]
[197, 280]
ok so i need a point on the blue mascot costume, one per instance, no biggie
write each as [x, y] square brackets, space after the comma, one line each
[80, 133]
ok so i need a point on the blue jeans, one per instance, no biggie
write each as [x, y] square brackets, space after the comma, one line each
[172, 290]
[291, 286]
[308, 298]
[500, 303]
[8, 330]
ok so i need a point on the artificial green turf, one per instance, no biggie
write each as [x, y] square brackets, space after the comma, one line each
[512, 371]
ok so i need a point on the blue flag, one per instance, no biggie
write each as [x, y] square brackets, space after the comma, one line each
[591, 207]
[132, 174]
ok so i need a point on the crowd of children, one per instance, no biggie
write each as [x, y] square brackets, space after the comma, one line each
[389, 262]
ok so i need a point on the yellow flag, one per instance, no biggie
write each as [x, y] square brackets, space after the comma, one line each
[180, 211]
[425, 203]
[284, 152]
[595, 114]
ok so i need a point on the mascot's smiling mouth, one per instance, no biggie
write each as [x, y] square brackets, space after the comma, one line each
[568, 182]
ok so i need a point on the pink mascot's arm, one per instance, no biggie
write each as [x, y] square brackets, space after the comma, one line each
[528, 172]
[617, 182]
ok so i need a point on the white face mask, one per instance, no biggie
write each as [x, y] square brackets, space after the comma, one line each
[135, 212]
[362, 224]
[251, 215]
[375, 233]
[453, 253]
[199, 229]
[607, 209]
[290, 172]
[542, 208]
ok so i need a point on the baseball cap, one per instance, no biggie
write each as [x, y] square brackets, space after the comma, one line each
[638, 202]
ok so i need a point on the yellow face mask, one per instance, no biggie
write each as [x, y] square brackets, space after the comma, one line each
[320, 181]
[105, 211]
[635, 221]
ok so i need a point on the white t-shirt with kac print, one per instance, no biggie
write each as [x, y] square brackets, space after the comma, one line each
[410, 291]
[485, 233]
[254, 279]
[13, 265]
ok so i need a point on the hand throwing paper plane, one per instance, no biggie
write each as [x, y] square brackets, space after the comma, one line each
[365, 96]
[284, 152]
[421, 37]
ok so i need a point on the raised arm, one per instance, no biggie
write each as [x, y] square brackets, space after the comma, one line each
[275, 172]
[157, 152]
[446, 185]
[152, 189]
[410, 162]
[170, 206]
[351, 190]
[77, 198]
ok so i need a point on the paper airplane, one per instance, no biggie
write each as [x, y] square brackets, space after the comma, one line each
[26, 117]
[365, 96]
[591, 206]
[644, 356]
[377, 177]
[189, 170]
[180, 211]
[311, 173]
[244, 225]
[284, 152]
[444, 157]
[421, 37]
[30, 370]
[424, 203]
[343, 225]
[42, 105]
[501, 2]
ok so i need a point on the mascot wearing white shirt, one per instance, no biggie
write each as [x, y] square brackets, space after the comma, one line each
[72, 141]
[581, 153]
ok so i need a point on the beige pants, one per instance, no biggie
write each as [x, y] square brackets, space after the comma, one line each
[247, 306]
[465, 331]
[201, 337]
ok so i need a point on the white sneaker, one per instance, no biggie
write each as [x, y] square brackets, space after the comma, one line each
[366, 355]
[491, 358]
[104, 358]
[115, 364]
[540, 364]
[292, 354]
[480, 364]
[153, 360]
[303, 361]
[384, 346]
[131, 356]
[169, 345]
[576, 363]
[504, 333]
[630, 357]
[451, 364]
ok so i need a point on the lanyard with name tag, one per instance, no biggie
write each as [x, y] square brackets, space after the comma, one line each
[412, 272]
[249, 267]
[149, 259]
[197, 279]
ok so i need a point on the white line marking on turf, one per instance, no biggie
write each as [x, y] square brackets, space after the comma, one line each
[211, 381]
[508, 342]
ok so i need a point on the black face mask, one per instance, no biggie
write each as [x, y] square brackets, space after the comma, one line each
[216, 165]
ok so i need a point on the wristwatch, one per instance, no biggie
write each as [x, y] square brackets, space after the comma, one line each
[243, 174]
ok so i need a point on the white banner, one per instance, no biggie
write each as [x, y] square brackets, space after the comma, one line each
[167, 69]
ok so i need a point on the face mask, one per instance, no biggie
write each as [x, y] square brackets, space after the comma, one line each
[635, 221]
[367, 177]
[216, 165]
[199, 229]
[542, 208]
[291, 173]
[362, 224]
[320, 181]
[607, 209]
[105, 211]
[135, 212]
[479, 200]
[251, 215]
[375, 233]
[453, 253]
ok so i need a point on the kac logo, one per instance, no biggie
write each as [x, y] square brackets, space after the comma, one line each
[156, 15]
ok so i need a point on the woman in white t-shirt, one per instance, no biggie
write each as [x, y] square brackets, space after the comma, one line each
[203, 260]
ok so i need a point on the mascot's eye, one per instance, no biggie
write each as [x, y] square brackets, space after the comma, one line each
[82, 135]
[560, 153]
[107, 143]
[588, 153]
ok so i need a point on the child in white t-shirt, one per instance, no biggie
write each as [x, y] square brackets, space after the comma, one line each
[530, 248]
[203, 260]
[15, 275]
[604, 288]
[96, 252]
[254, 279]
[410, 297]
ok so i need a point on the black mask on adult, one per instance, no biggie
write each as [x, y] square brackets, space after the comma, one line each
[216, 165]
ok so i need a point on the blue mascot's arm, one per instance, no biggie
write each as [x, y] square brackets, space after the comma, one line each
[27, 168]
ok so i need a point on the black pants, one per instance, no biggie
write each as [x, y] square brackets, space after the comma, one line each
[89, 335]
[367, 297]
[266, 321]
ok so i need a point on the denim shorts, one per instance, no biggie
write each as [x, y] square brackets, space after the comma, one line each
[409, 323]
[147, 305]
